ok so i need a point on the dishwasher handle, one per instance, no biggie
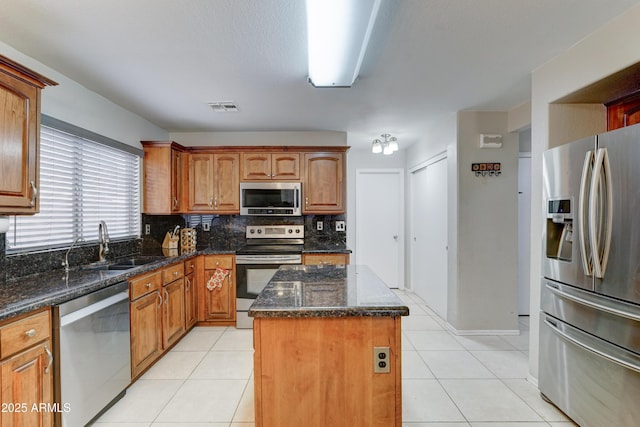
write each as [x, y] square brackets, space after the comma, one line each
[93, 308]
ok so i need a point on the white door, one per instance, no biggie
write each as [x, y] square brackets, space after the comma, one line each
[524, 236]
[380, 223]
[429, 234]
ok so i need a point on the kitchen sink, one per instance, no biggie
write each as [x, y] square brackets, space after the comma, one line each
[124, 264]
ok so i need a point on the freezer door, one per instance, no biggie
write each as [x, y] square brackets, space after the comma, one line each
[621, 278]
[566, 179]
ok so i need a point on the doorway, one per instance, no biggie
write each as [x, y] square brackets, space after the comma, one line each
[429, 279]
[380, 223]
[524, 233]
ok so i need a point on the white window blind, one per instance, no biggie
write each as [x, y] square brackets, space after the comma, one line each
[81, 183]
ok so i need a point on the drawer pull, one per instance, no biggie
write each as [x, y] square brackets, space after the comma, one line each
[50, 356]
[148, 285]
[30, 333]
[175, 273]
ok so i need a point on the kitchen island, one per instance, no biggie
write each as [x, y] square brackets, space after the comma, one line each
[327, 343]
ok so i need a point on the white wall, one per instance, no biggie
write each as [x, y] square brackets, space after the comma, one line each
[486, 295]
[315, 138]
[599, 55]
[75, 104]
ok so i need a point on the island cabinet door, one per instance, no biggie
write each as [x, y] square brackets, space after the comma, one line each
[318, 372]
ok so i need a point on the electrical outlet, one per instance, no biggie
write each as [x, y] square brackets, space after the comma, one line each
[319, 225]
[206, 226]
[381, 360]
[340, 226]
[147, 229]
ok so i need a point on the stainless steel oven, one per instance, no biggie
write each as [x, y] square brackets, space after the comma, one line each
[267, 248]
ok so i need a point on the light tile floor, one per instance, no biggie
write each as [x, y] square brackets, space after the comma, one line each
[448, 381]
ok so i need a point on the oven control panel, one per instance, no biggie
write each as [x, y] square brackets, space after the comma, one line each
[275, 231]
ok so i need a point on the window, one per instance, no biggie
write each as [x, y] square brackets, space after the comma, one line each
[81, 183]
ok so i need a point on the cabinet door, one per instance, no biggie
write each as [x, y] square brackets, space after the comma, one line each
[255, 166]
[26, 380]
[173, 313]
[190, 301]
[324, 185]
[285, 166]
[19, 140]
[201, 189]
[176, 180]
[219, 303]
[227, 183]
[146, 331]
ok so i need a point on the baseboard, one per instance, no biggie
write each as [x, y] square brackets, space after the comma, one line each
[471, 332]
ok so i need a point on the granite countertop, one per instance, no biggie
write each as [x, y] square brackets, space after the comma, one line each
[32, 292]
[327, 291]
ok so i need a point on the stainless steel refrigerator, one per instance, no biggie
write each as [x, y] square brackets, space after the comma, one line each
[590, 294]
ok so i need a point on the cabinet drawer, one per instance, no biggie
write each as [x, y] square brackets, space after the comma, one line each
[189, 266]
[172, 273]
[211, 262]
[24, 333]
[325, 259]
[145, 284]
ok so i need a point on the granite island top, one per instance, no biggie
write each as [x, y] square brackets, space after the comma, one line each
[326, 291]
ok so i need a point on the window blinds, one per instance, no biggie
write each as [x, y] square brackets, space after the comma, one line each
[81, 183]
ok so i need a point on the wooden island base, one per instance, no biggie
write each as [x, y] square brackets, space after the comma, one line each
[320, 372]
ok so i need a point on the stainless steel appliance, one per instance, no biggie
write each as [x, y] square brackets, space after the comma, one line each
[92, 335]
[268, 247]
[271, 198]
[590, 296]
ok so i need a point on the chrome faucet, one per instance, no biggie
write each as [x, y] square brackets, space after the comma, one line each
[103, 241]
[65, 263]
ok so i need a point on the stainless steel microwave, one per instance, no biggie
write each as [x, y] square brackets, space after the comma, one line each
[270, 198]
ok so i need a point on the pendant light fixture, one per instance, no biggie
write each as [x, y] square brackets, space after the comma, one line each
[388, 146]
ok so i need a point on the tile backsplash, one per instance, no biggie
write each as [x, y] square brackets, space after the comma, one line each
[225, 232]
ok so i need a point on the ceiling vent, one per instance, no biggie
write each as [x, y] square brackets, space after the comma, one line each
[223, 107]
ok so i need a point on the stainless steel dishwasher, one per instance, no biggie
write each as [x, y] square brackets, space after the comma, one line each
[92, 340]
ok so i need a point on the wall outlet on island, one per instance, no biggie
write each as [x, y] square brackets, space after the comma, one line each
[381, 360]
[340, 226]
[319, 225]
[147, 229]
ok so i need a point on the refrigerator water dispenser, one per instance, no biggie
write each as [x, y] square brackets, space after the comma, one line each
[559, 229]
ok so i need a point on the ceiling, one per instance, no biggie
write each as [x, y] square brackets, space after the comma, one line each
[165, 60]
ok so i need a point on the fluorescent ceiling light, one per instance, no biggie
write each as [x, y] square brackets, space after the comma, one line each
[338, 32]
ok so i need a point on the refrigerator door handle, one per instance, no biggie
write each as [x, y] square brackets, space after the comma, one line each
[582, 217]
[602, 169]
[624, 358]
[590, 301]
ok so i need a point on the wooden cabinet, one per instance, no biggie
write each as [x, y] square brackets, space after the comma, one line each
[163, 177]
[623, 112]
[269, 166]
[214, 183]
[146, 321]
[190, 294]
[324, 185]
[26, 376]
[217, 305]
[157, 315]
[19, 137]
[325, 259]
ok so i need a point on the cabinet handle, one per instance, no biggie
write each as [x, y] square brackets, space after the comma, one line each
[160, 296]
[34, 193]
[217, 263]
[175, 273]
[215, 203]
[30, 333]
[166, 297]
[188, 284]
[211, 202]
[306, 201]
[175, 203]
[148, 285]
[50, 356]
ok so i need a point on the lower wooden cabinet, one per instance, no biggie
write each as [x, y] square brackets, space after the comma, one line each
[218, 304]
[157, 315]
[325, 259]
[190, 294]
[26, 372]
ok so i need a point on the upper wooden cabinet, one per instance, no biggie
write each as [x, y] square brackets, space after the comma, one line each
[623, 112]
[323, 187]
[214, 184]
[19, 137]
[163, 177]
[270, 166]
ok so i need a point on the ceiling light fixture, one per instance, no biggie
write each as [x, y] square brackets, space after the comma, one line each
[388, 146]
[338, 32]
